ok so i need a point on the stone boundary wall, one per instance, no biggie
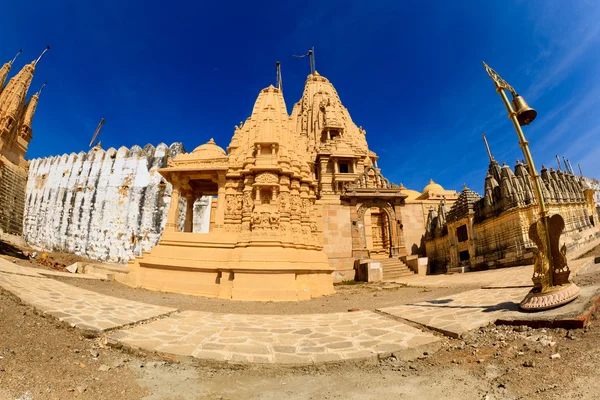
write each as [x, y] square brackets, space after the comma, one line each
[12, 197]
[104, 205]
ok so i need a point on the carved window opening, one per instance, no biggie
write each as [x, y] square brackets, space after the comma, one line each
[462, 234]
[265, 195]
[344, 167]
[464, 255]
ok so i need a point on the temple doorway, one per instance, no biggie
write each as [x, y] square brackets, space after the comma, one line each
[378, 233]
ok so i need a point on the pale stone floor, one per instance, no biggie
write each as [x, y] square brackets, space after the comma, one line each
[458, 314]
[280, 339]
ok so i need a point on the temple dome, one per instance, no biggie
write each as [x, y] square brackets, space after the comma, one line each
[412, 194]
[209, 150]
[433, 187]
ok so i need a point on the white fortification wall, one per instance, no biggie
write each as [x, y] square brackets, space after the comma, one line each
[104, 205]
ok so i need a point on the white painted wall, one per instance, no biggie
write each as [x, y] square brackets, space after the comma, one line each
[104, 205]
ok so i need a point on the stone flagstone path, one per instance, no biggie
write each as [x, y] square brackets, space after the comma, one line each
[462, 312]
[266, 339]
[81, 308]
[282, 339]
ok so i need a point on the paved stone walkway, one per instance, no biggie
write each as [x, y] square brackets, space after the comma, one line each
[460, 313]
[270, 339]
[513, 277]
[282, 339]
[81, 308]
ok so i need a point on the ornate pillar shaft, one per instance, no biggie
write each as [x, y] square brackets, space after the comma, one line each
[189, 213]
[220, 213]
[173, 214]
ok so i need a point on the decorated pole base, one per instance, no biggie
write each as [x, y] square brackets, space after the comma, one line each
[556, 296]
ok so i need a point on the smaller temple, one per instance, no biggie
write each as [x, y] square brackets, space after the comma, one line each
[492, 231]
[16, 118]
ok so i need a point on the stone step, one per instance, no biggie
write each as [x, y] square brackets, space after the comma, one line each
[394, 268]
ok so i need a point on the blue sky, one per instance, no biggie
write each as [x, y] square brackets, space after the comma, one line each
[409, 72]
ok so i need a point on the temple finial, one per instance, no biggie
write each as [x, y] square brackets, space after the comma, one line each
[39, 92]
[558, 161]
[41, 55]
[13, 60]
[570, 167]
[487, 146]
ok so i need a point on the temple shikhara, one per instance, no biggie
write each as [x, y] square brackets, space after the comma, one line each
[16, 117]
[293, 204]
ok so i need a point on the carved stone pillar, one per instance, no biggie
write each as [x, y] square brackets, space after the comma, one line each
[173, 214]
[189, 212]
[220, 217]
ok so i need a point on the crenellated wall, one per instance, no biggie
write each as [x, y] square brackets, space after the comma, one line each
[104, 205]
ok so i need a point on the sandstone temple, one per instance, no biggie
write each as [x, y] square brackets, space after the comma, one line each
[16, 116]
[293, 204]
[492, 231]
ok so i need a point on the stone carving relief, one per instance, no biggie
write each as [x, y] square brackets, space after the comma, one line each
[267, 178]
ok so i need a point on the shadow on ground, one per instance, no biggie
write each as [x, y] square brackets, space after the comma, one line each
[7, 249]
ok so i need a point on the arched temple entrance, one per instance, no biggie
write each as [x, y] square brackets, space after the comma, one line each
[377, 229]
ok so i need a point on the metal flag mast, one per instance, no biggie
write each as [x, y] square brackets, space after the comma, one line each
[97, 131]
[311, 55]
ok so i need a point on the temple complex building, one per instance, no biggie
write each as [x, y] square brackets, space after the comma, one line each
[16, 116]
[489, 231]
[293, 205]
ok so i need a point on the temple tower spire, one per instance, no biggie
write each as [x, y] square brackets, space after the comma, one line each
[15, 116]
[6, 69]
[26, 131]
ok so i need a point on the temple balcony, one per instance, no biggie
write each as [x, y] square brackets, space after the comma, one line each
[344, 177]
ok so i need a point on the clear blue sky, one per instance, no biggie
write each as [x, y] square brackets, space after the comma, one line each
[409, 72]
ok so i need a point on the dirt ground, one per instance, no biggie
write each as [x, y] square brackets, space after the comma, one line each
[41, 359]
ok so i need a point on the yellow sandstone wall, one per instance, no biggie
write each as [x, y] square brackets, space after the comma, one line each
[337, 240]
[414, 218]
[13, 180]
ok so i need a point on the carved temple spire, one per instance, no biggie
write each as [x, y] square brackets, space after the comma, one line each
[26, 131]
[5, 69]
[12, 98]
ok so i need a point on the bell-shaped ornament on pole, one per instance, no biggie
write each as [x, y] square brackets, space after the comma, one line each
[525, 114]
